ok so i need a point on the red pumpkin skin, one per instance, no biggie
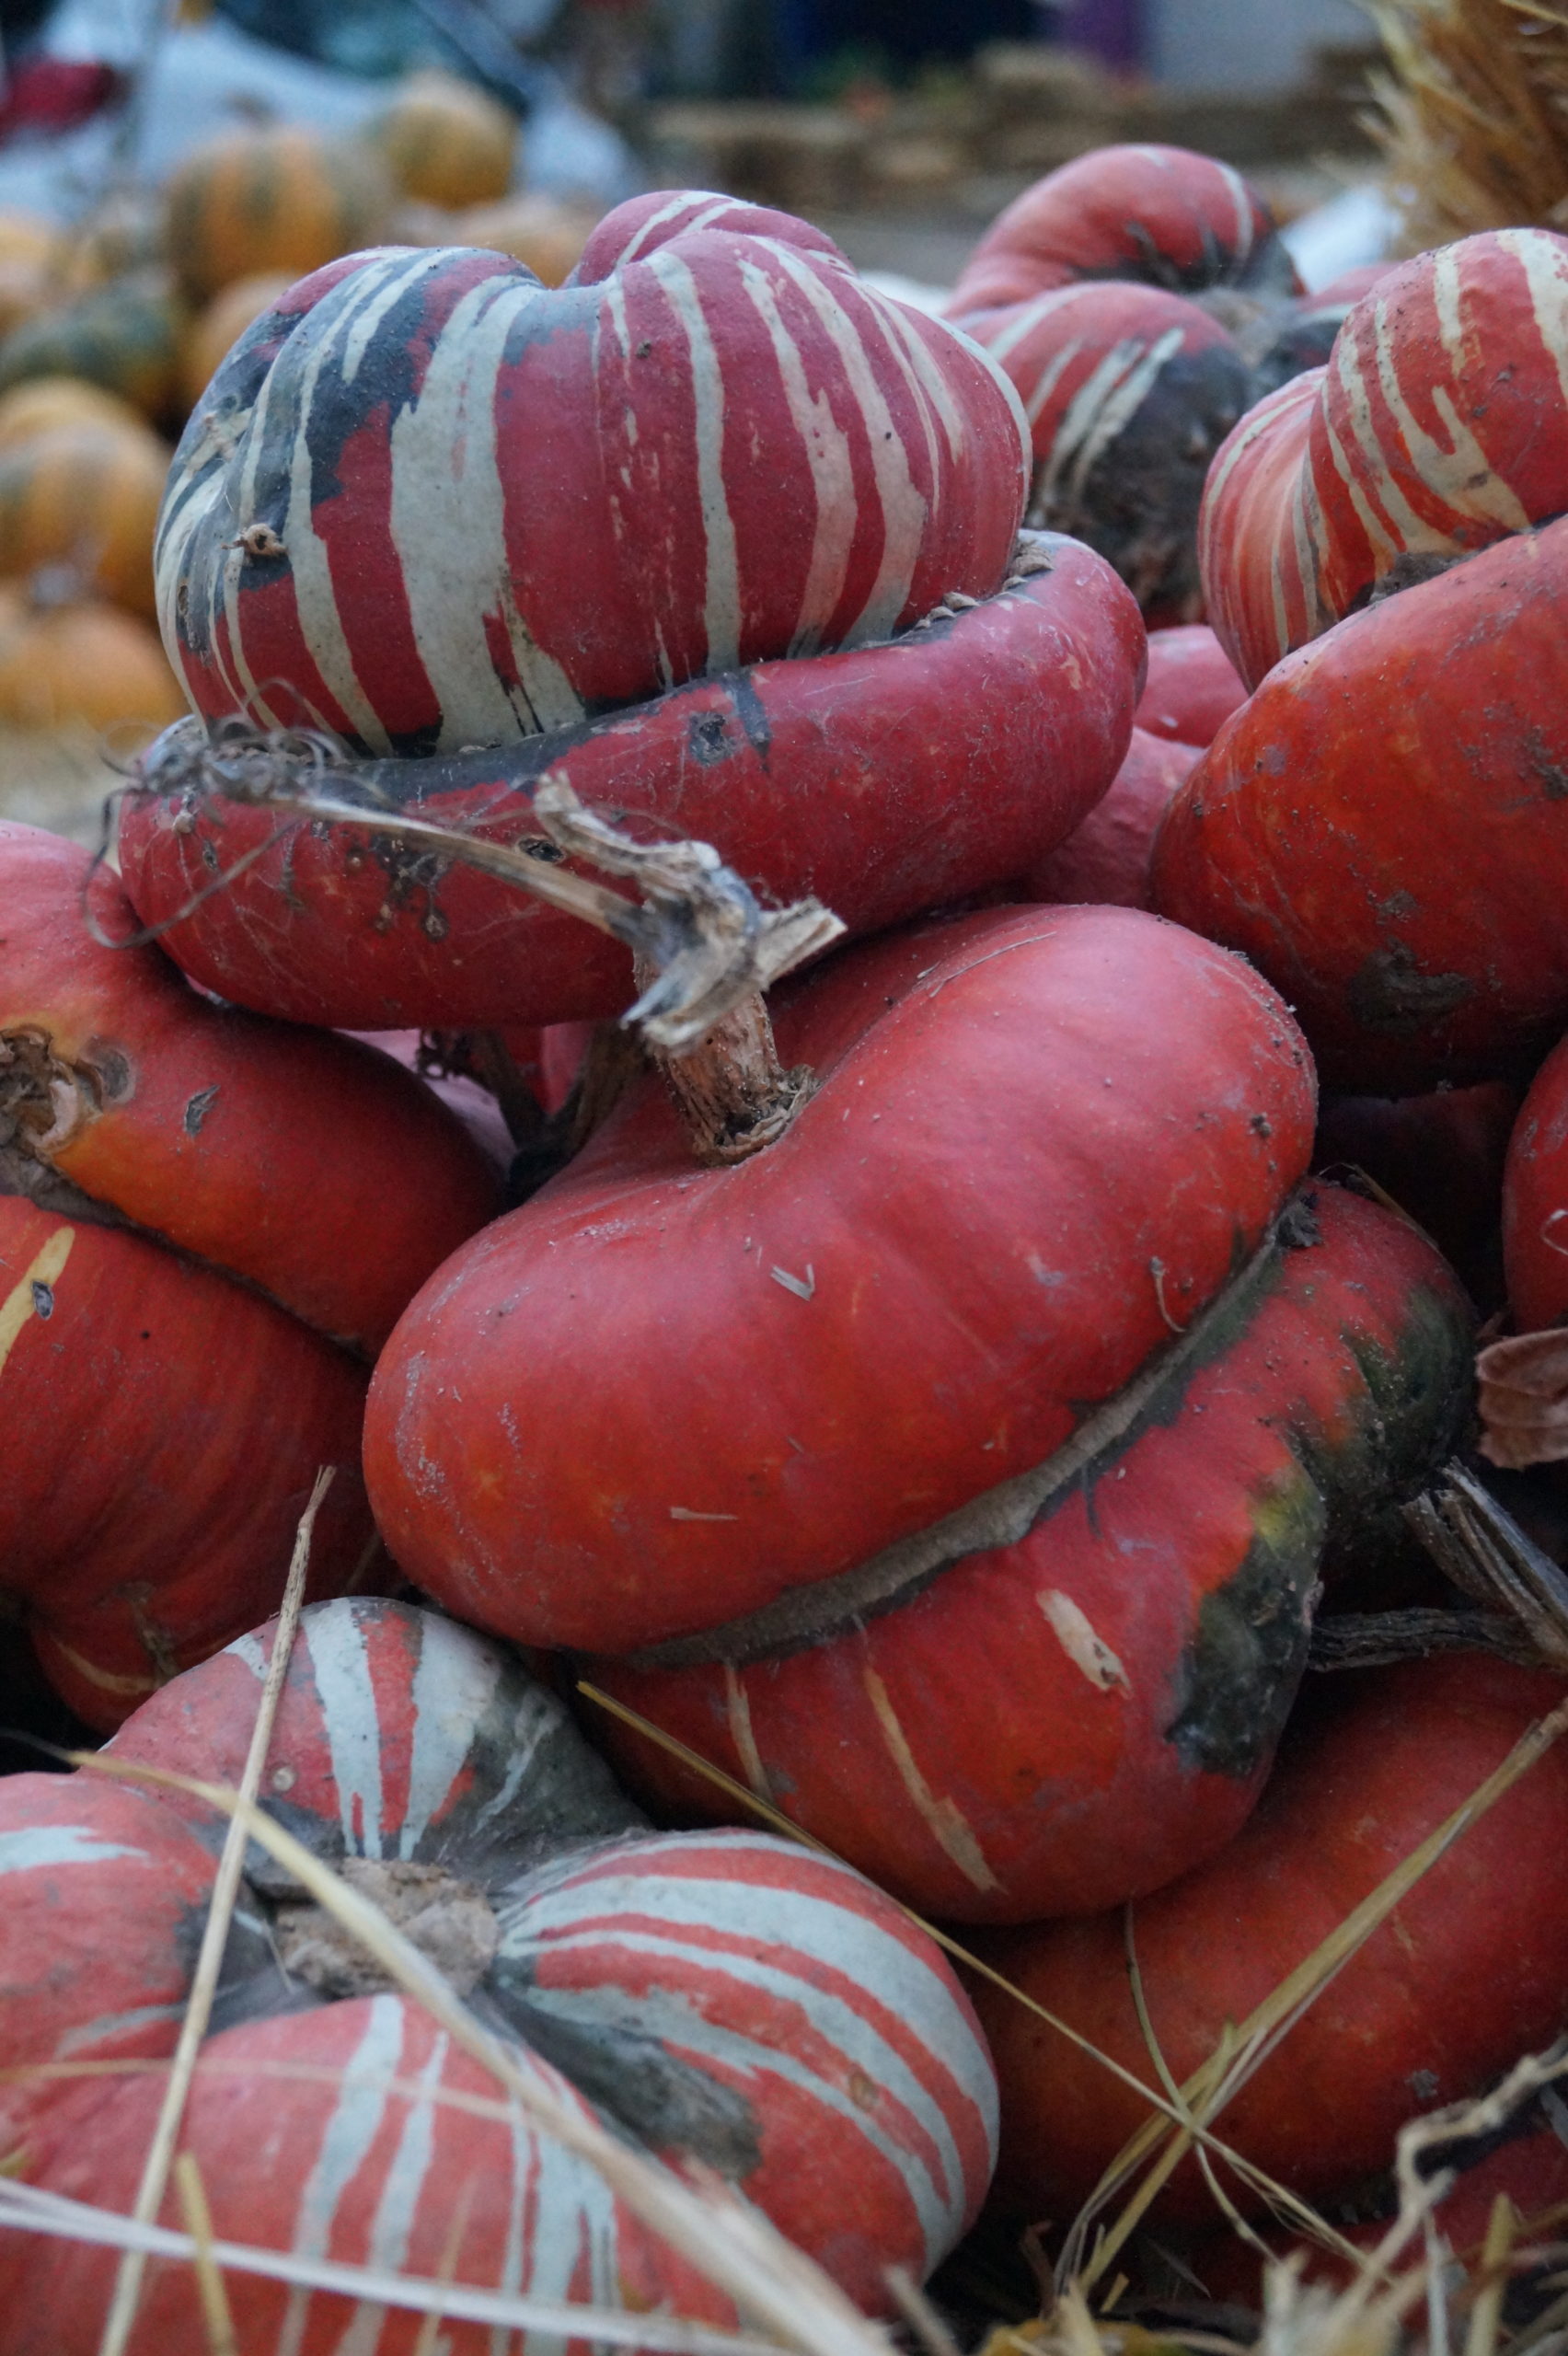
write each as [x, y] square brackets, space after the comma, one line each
[1106, 858]
[363, 2171]
[310, 1167]
[1399, 2031]
[789, 2025]
[1165, 215]
[1436, 429]
[799, 462]
[1382, 828]
[1191, 686]
[1534, 1200]
[1019, 1115]
[1053, 1727]
[1130, 391]
[136, 1384]
[1441, 1157]
[885, 781]
[639, 227]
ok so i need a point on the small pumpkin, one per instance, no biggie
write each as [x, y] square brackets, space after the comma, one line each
[124, 336]
[541, 231]
[269, 196]
[722, 1996]
[39, 403]
[1366, 1775]
[85, 498]
[1108, 856]
[219, 326]
[446, 142]
[207, 1225]
[1191, 686]
[67, 664]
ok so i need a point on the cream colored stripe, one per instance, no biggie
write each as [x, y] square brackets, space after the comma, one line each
[43, 1269]
[946, 1822]
[737, 1705]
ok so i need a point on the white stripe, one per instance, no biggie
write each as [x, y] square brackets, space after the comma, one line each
[1028, 319]
[115, 2024]
[721, 593]
[904, 513]
[345, 2146]
[1237, 189]
[392, 2226]
[449, 526]
[707, 209]
[826, 449]
[453, 1685]
[340, 1657]
[1540, 254]
[34, 1846]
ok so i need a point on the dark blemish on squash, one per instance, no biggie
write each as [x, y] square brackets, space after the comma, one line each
[197, 1110]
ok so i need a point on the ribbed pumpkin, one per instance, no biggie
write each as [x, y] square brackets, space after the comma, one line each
[445, 141]
[70, 665]
[1470, 1972]
[219, 326]
[1384, 827]
[800, 463]
[85, 498]
[207, 1225]
[1062, 1720]
[39, 403]
[724, 1996]
[271, 196]
[124, 336]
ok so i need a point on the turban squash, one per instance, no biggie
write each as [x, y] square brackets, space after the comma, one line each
[208, 1224]
[828, 657]
[1383, 828]
[721, 1996]
[851, 1374]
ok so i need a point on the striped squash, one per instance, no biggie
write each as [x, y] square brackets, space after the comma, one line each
[1383, 828]
[1129, 392]
[1438, 427]
[207, 1225]
[269, 196]
[430, 503]
[1164, 215]
[723, 1995]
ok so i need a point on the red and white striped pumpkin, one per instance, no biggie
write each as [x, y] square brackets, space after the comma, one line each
[429, 503]
[721, 1994]
[1439, 426]
[1165, 215]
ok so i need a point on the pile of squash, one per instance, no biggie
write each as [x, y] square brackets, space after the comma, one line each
[110, 332]
[952, 1404]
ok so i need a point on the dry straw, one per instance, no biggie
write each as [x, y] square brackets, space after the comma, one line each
[1472, 117]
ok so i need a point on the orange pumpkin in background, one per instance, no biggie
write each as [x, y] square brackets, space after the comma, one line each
[271, 196]
[85, 497]
[446, 142]
[74, 665]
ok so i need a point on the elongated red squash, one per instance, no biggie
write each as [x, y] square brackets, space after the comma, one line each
[1055, 1723]
[885, 778]
[722, 1996]
[1369, 1772]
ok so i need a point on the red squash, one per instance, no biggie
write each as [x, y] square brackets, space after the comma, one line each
[917, 1292]
[1534, 1200]
[1056, 1724]
[723, 1997]
[885, 779]
[1162, 214]
[1383, 828]
[1441, 1157]
[207, 1224]
[751, 453]
[1191, 686]
[1471, 1971]
[1107, 855]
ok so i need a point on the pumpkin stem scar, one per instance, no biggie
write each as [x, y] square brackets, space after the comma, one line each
[1476, 1542]
[43, 1099]
[42, 1272]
